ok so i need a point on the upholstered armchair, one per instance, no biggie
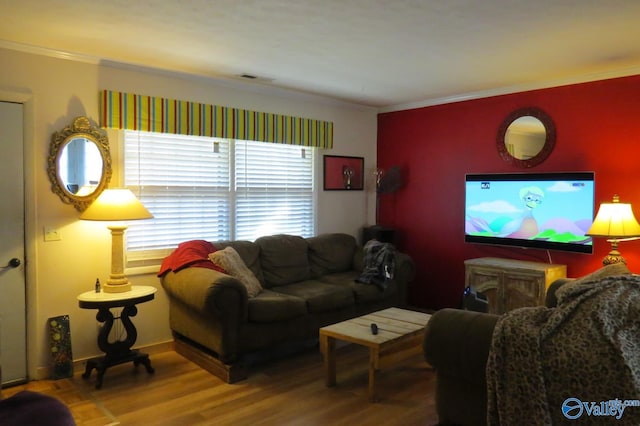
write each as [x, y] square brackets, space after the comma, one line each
[523, 366]
[457, 344]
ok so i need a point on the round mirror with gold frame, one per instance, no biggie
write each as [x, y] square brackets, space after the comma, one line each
[79, 163]
[526, 137]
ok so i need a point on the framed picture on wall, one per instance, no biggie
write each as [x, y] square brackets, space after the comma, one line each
[343, 173]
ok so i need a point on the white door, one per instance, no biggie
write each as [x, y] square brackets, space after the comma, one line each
[13, 356]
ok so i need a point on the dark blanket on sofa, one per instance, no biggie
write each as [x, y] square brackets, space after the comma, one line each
[379, 264]
[576, 363]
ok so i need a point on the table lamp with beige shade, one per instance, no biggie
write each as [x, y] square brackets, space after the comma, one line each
[616, 222]
[116, 205]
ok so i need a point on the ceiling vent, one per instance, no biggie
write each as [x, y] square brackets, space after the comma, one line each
[255, 78]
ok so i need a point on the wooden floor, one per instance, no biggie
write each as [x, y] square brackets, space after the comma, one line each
[284, 392]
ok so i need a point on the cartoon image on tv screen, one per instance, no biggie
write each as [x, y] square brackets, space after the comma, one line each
[557, 211]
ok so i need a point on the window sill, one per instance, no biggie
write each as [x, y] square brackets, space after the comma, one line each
[142, 270]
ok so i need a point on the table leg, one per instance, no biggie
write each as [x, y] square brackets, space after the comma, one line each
[373, 372]
[328, 349]
[119, 351]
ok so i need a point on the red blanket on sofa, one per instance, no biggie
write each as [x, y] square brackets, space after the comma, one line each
[190, 253]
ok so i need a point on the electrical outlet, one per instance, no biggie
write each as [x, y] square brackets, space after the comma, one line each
[51, 234]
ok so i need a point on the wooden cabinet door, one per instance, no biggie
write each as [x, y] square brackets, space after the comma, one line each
[522, 289]
[486, 282]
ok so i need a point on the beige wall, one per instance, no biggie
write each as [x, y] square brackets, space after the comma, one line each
[57, 90]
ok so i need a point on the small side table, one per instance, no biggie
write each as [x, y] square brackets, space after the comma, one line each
[120, 351]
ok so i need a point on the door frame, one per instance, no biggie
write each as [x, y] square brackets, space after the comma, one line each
[34, 347]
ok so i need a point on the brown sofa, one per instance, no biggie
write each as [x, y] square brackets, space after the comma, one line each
[307, 283]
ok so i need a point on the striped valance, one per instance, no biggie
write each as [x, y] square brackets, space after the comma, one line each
[153, 114]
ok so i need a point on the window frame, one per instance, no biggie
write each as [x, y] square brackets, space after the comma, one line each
[148, 261]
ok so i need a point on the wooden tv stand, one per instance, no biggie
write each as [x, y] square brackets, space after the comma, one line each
[509, 284]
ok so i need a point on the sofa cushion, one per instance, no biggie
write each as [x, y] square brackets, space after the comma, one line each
[249, 252]
[269, 306]
[284, 259]
[320, 296]
[331, 253]
[363, 293]
[229, 260]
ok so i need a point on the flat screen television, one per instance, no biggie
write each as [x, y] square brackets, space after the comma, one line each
[550, 211]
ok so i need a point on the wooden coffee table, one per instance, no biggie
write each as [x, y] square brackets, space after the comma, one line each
[400, 334]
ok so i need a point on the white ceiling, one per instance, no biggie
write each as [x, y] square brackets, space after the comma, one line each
[386, 54]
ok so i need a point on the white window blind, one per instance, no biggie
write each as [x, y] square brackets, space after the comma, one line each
[213, 189]
[274, 190]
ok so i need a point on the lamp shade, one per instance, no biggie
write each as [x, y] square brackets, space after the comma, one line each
[116, 204]
[615, 220]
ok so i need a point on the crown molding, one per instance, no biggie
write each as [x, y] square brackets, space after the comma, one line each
[52, 53]
[234, 82]
[507, 90]
[237, 83]
[278, 90]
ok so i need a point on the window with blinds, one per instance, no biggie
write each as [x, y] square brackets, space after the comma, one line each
[214, 189]
[273, 190]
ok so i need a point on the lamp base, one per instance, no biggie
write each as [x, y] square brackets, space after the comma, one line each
[116, 285]
[117, 281]
[120, 288]
[614, 256]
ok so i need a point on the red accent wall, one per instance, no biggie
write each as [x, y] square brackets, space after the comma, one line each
[598, 129]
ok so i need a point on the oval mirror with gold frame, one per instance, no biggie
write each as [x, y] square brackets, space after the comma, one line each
[79, 163]
[526, 137]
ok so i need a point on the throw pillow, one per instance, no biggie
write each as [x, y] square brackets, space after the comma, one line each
[612, 270]
[230, 261]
